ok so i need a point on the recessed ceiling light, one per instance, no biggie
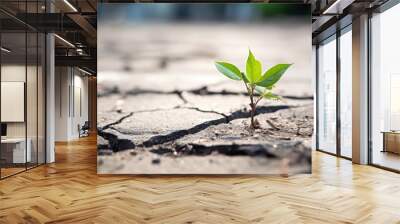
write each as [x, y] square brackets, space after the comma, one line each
[84, 71]
[5, 50]
[337, 7]
[70, 5]
[64, 40]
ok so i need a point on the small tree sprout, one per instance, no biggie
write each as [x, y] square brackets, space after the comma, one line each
[258, 85]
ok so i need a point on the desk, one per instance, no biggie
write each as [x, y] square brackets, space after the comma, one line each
[391, 141]
[13, 150]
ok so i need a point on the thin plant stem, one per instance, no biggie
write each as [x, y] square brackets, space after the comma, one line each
[253, 107]
[250, 90]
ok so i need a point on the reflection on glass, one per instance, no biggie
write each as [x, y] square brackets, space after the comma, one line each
[327, 96]
[345, 94]
[14, 153]
[385, 84]
[22, 92]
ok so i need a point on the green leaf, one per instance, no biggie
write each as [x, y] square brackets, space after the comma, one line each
[229, 70]
[273, 75]
[270, 87]
[271, 96]
[266, 94]
[253, 68]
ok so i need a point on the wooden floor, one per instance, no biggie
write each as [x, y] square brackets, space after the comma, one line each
[69, 191]
[5, 172]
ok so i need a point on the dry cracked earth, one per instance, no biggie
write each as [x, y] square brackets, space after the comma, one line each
[163, 108]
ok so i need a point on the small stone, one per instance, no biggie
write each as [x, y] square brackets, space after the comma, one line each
[133, 153]
[285, 138]
[156, 161]
[127, 68]
[105, 152]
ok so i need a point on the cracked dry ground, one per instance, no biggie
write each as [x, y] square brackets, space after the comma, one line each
[155, 119]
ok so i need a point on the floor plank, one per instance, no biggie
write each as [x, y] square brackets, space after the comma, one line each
[70, 191]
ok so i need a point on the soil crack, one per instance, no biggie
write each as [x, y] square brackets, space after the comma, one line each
[208, 111]
[118, 144]
[161, 139]
[115, 122]
[201, 91]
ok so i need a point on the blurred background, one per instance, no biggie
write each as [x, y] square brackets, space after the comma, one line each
[237, 12]
[171, 38]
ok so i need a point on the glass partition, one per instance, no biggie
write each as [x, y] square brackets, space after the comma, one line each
[32, 86]
[13, 94]
[22, 101]
[31, 97]
[346, 93]
[41, 97]
[327, 95]
[385, 89]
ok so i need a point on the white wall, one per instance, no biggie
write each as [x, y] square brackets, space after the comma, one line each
[14, 73]
[62, 81]
[33, 126]
[71, 94]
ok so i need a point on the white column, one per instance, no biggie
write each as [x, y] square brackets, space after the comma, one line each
[50, 99]
[50, 92]
[360, 90]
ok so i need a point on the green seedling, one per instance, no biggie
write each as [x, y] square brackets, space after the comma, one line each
[258, 85]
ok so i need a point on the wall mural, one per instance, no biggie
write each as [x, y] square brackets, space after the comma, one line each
[204, 88]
